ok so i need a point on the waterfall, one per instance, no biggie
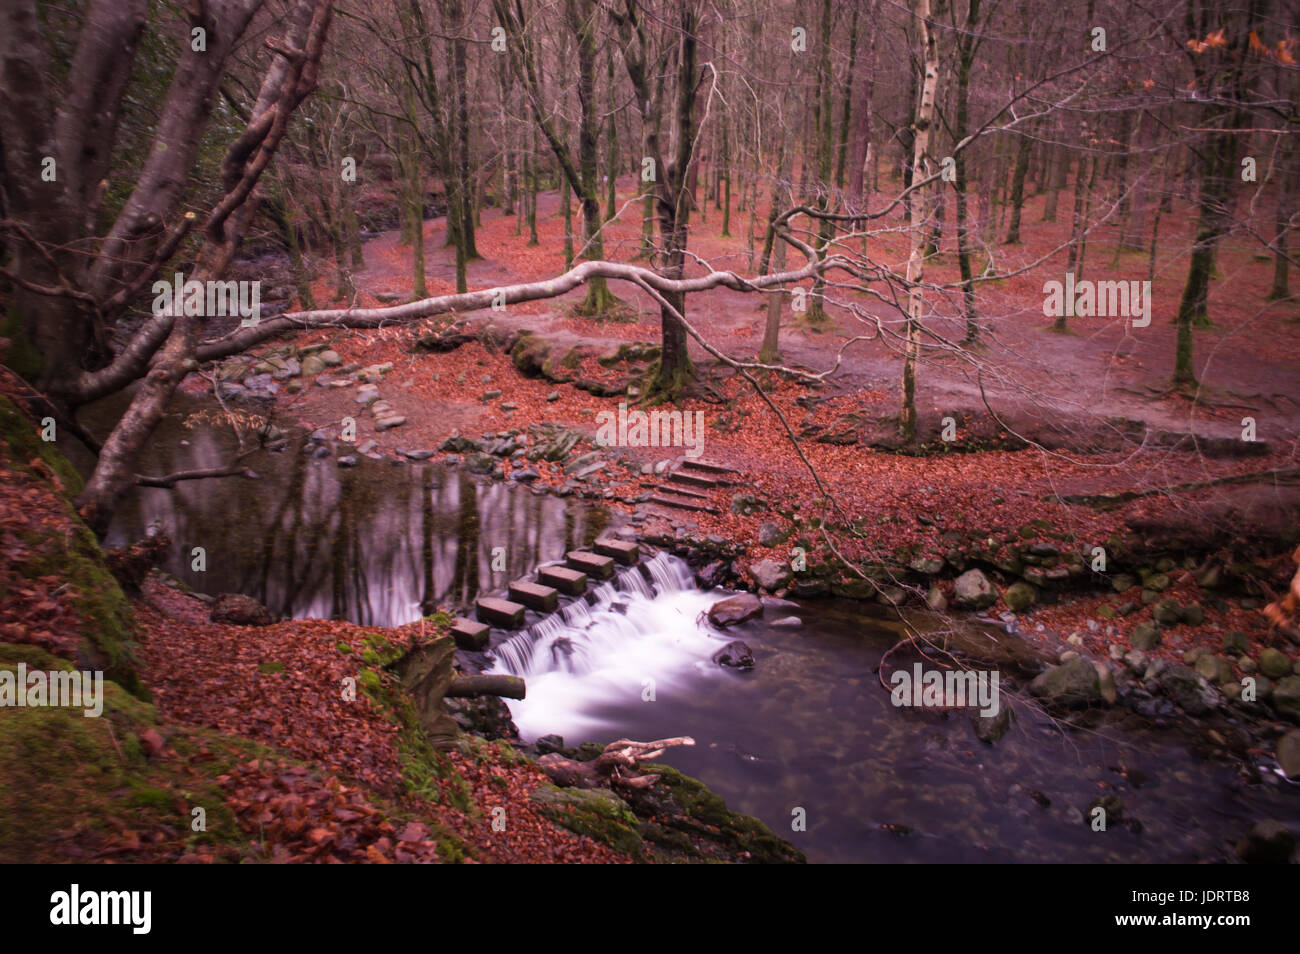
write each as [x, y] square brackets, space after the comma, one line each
[621, 644]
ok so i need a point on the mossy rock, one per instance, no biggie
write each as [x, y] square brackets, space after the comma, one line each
[108, 627]
[597, 813]
[687, 804]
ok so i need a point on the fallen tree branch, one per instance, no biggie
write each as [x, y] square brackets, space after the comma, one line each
[1285, 475]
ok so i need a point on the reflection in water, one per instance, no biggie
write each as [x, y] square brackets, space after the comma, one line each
[381, 543]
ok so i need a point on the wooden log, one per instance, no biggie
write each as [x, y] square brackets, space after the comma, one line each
[511, 687]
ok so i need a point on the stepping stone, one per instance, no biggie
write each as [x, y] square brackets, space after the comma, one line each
[680, 491]
[570, 582]
[469, 635]
[534, 595]
[389, 422]
[623, 551]
[501, 613]
[599, 567]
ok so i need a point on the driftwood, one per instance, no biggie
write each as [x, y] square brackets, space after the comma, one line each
[616, 766]
[512, 687]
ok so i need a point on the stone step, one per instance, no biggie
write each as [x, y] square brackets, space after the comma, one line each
[571, 582]
[595, 566]
[681, 503]
[709, 466]
[624, 551]
[536, 596]
[681, 490]
[469, 634]
[499, 612]
[696, 480]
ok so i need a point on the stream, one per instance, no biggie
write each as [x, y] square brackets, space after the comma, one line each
[810, 727]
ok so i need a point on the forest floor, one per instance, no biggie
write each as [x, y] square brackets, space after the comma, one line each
[1066, 392]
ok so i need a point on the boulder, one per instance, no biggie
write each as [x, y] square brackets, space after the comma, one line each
[1288, 754]
[770, 575]
[735, 609]
[1020, 596]
[972, 590]
[1274, 664]
[1146, 636]
[1188, 689]
[1269, 842]
[1070, 685]
[735, 655]
[1286, 697]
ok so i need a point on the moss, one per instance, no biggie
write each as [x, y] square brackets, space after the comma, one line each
[22, 356]
[597, 813]
[270, 668]
[23, 437]
[67, 781]
[742, 832]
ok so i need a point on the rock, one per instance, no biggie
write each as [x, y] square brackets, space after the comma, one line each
[1214, 668]
[417, 454]
[1286, 697]
[1020, 596]
[331, 358]
[1146, 636]
[769, 535]
[1136, 660]
[735, 655]
[1235, 642]
[524, 476]
[388, 423]
[1123, 581]
[597, 813]
[1188, 689]
[972, 590]
[926, 566]
[479, 463]
[788, 622]
[460, 445]
[1274, 664]
[770, 575]
[546, 744]
[935, 599]
[735, 609]
[1158, 582]
[312, 366]
[1269, 842]
[1167, 612]
[491, 395]
[240, 610]
[1193, 614]
[1106, 682]
[553, 396]
[1288, 754]
[991, 728]
[1073, 684]
[349, 460]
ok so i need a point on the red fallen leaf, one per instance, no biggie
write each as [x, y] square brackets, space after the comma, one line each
[320, 835]
[413, 832]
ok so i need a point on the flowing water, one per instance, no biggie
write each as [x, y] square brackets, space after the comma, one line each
[810, 728]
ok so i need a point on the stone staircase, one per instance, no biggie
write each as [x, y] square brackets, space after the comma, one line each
[687, 485]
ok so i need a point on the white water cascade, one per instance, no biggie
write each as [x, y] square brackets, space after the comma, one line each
[599, 651]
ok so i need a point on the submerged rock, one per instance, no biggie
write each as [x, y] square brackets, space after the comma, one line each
[735, 655]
